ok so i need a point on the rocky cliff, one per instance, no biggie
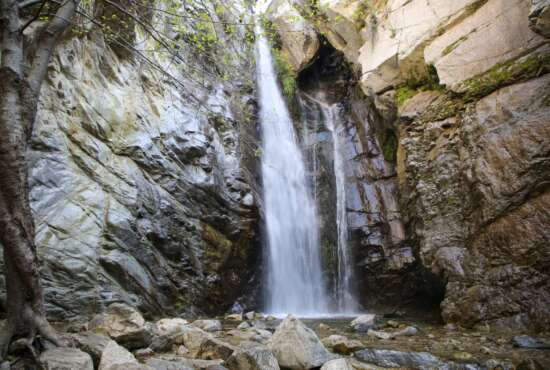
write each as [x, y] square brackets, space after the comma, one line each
[143, 185]
[463, 87]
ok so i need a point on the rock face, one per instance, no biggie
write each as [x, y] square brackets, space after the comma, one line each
[296, 346]
[140, 186]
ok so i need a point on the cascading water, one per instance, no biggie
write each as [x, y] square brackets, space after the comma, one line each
[331, 116]
[294, 280]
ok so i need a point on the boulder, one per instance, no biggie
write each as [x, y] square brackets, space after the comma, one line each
[243, 325]
[338, 364]
[66, 359]
[234, 317]
[252, 358]
[114, 356]
[399, 359]
[525, 341]
[208, 325]
[363, 323]
[160, 364]
[169, 326]
[91, 343]
[248, 335]
[296, 346]
[250, 315]
[341, 344]
[193, 337]
[124, 324]
[408, 331]
[213, 349]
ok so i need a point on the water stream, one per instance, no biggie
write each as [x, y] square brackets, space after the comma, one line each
[294, 279]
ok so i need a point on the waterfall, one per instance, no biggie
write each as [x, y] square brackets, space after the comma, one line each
[345, 301]
[332, 117]
[294, 279]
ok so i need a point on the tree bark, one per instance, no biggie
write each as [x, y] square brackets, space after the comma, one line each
[18, 105]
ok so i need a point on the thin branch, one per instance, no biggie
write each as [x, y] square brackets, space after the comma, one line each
[36, 16]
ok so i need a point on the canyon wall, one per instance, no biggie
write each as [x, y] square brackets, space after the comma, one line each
[143, 185]
[462, 86]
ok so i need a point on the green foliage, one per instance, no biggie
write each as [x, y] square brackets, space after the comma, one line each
[504, 74]
[419, 81]
[286, 73]
[404, 93]
[388, 142]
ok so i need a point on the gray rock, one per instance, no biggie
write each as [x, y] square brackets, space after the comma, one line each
[66, 359]
[208, 325]
[539, 17]
[91, 343]
[391, 358]
[525, 341]
[408, 331]
[341, 344]
[252, 358]
[243, 325]
[159, 364]
[338, 364]
[169, 326]
[296, 346]
[363, 323]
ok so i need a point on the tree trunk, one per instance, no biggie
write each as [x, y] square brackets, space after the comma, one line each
[18, 104]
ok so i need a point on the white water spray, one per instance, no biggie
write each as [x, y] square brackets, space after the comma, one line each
[294, 280]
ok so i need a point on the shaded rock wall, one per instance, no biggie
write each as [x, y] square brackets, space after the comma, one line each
[144, 192]
[463, 86]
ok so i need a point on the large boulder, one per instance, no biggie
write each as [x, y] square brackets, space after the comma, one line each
[399, 359]
[296, 346]
[169, 326]
[338, 364]
[213, 349]
[193, 338]
[91, 343]
[124, 324]
[252, 358]
[363, 323]
[66, 359]
[116, 357]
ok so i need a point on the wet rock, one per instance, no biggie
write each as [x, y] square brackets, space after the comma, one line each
[212, 349]
[391, 358]
[408, 331]
[525, 341]
[124, 324]
[115, 355]
[169, 326]
[338, 364]
[252, 358]
[341, 344]
[296, 346]
[66, 359]
[208, 325]
[363, 323]
[91, 343]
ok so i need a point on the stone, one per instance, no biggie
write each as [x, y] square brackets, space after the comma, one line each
[463, 51]
[124, 324]
[251, 315]
[539, 17]
[529, 364]
[208, 325]
[243, 325]
[248, 335]
[193, 338]
[252, 358]
[114, 355]
[213, 349]
[324, 327]
[66, 359]
[143, 353]
[398, 359]
[91, 343]
[299, 39]
[363, 323]
[169, 326]
[407, 331]
[525, 341]
[159, 364]
[338, 364]
[296, 346]
[234, 317]
[341, 344]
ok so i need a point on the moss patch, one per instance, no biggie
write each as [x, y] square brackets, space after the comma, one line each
[454, 45]
[286, 73]
[404, 93]
[505, 74]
